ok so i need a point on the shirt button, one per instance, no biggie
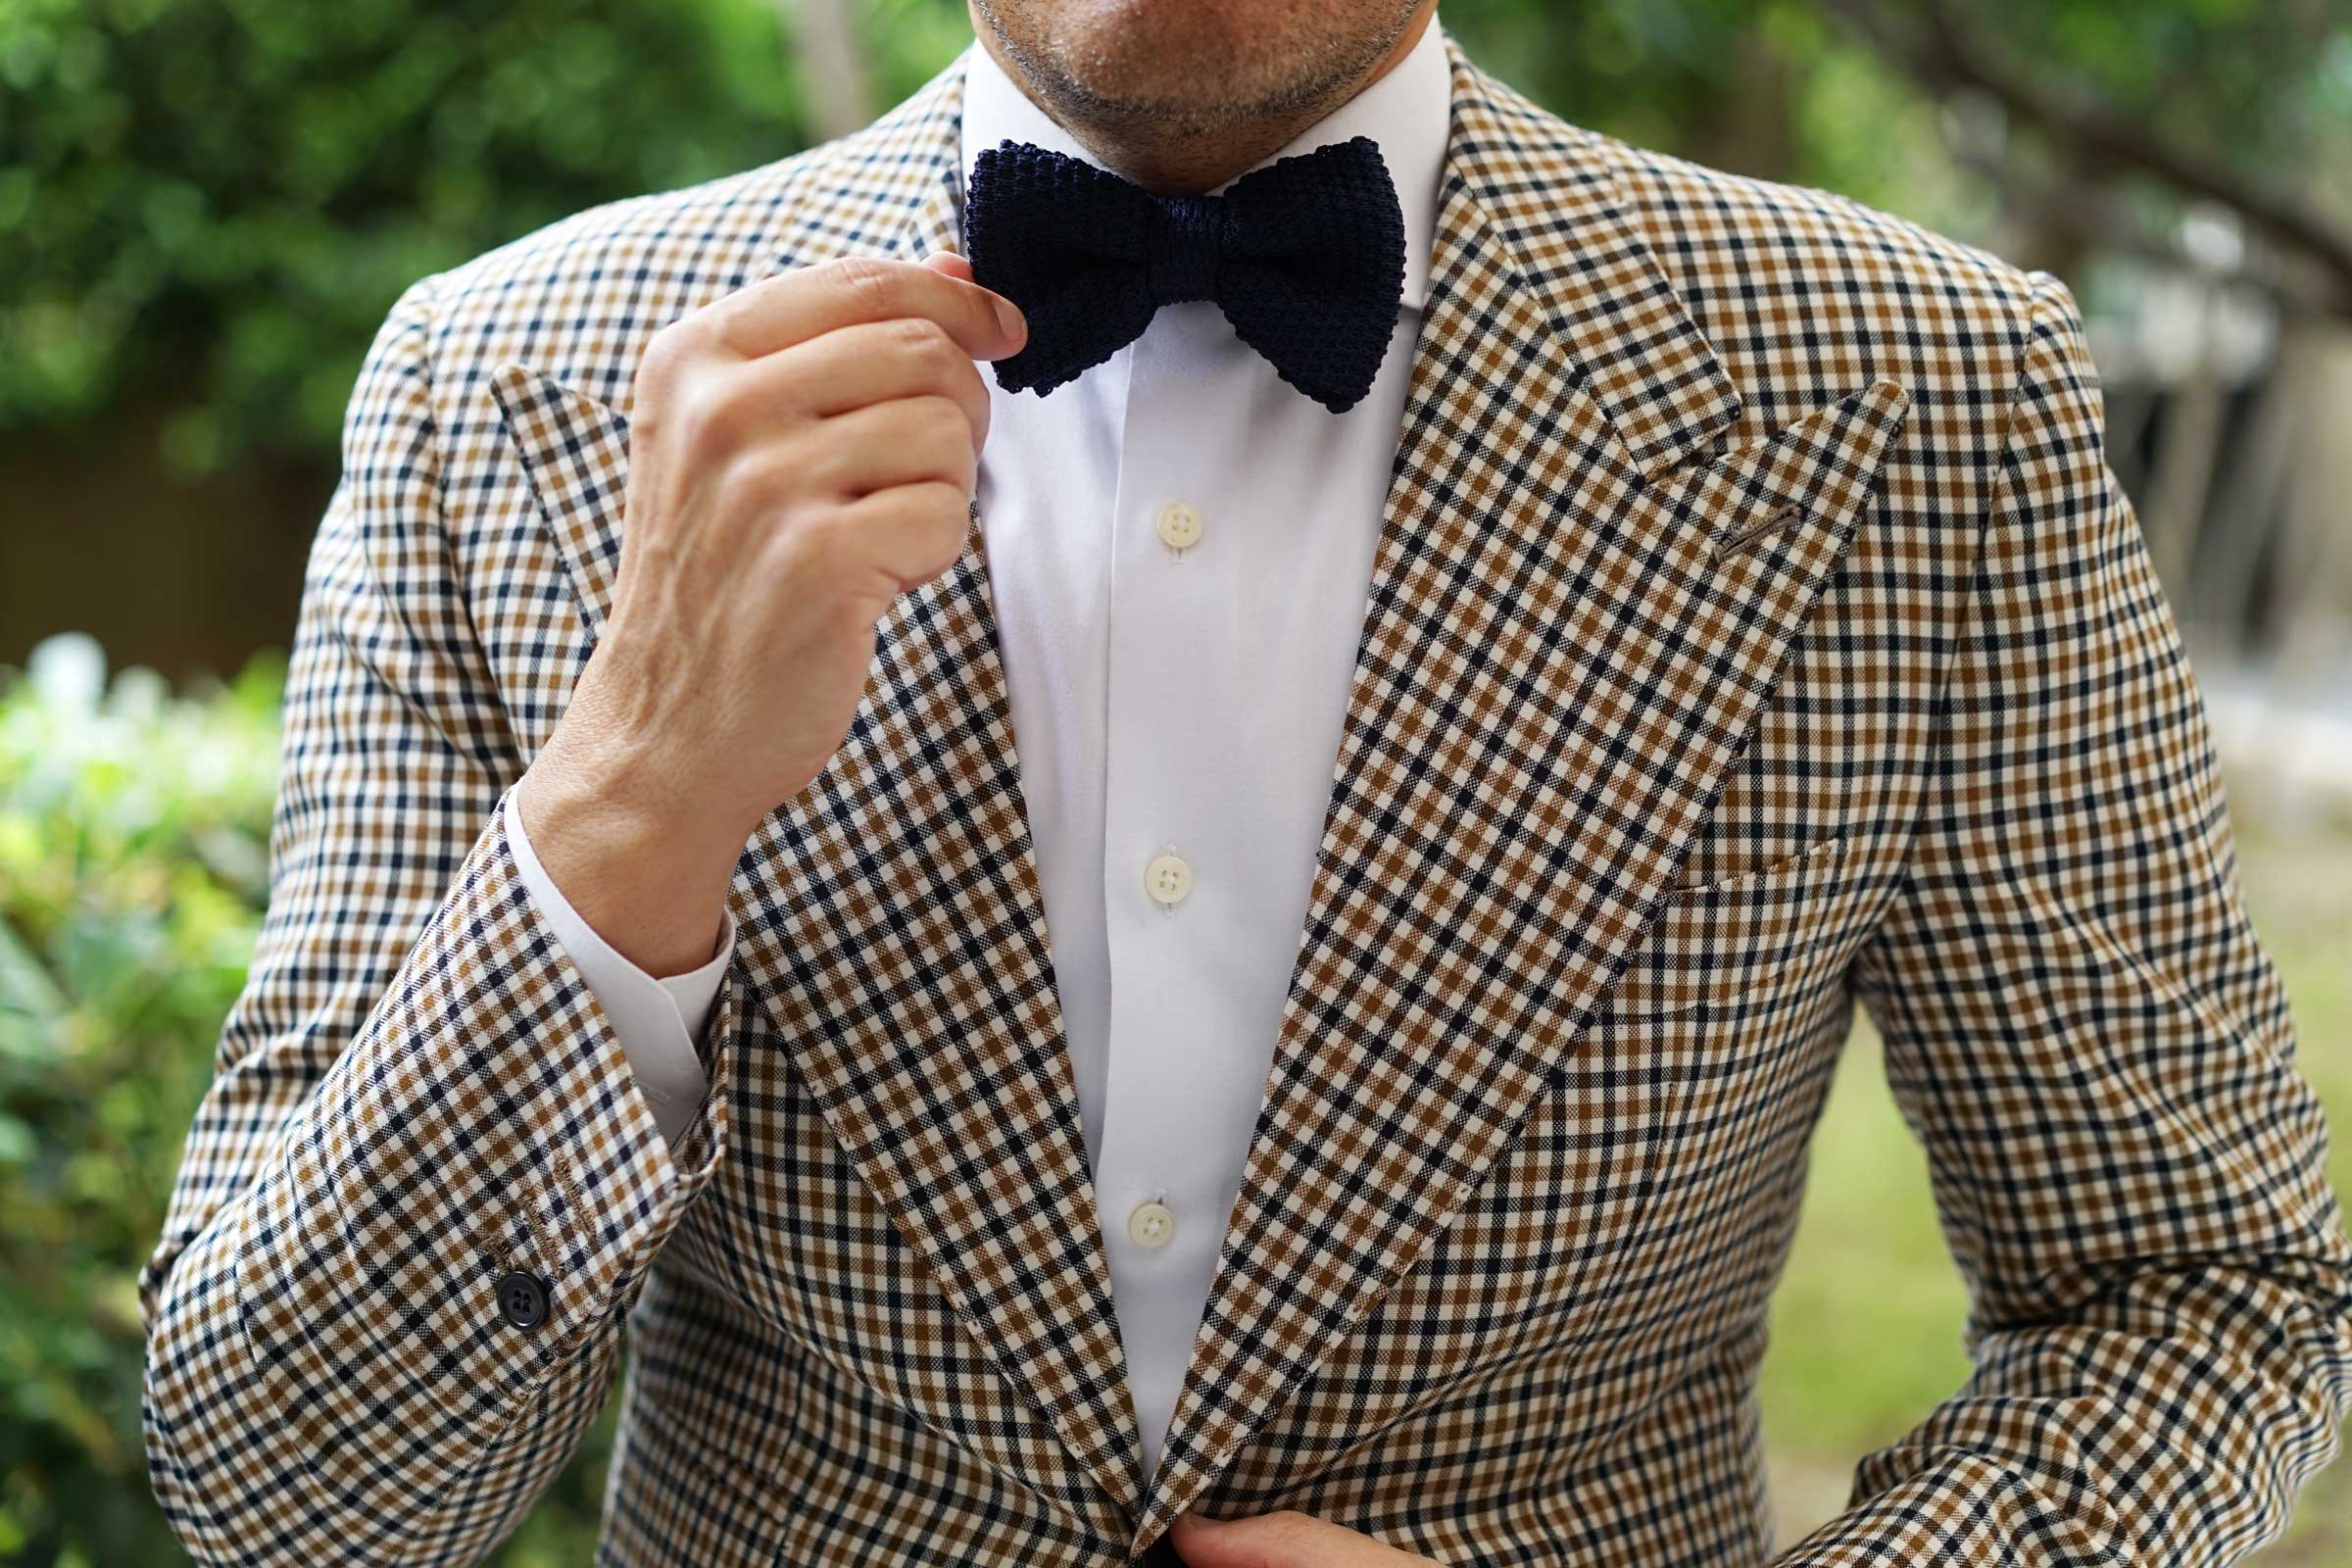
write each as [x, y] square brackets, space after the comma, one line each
[1168, 879]
[1152, 1225]
[1179, 524]
[522, 1300]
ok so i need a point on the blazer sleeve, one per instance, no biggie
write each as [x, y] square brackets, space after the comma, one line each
[415, 1095]
[2083, 1029]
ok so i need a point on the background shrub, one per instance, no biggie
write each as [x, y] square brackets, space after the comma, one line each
[227, 193]
[133, 827]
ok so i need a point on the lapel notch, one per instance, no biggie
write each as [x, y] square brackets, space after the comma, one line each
[1551, 198]
[576, 451]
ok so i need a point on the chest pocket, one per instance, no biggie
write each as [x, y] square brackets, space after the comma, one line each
[1737, 945]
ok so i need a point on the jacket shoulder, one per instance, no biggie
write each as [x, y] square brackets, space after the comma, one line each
[578, 298]
[1691, 202]
[1805, 293]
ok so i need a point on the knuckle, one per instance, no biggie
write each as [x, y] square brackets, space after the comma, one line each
[945, 516]
[760, 478]
[971, 394]
[948, 508]
[657, 369]
[673, 343]
[942, 419]
[923, 338]
[805, 547]
[963, 375]
[956, 520]
[703, 410]
[829, 530]
[836, 466]
[846, 548]
[865, 280]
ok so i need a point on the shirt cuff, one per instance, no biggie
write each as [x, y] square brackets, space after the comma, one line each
[655, 1019]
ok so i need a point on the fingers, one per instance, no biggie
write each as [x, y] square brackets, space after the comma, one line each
[870, 361]
[913, 531]
[1284, 1540]
[950, 262]
[901, 442]
[791, 307]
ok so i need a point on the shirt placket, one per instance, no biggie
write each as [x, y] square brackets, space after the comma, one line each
[1171, 889]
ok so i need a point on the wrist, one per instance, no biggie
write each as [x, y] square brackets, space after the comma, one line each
[614, 801]
[649, 874]
[618, 764]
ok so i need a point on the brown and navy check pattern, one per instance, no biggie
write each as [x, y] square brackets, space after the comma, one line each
[1756, 626]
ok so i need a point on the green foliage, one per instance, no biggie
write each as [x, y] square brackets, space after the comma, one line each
[210, 204]
[1786, 90]
[132, 833]
[221, 198]
[134, 872]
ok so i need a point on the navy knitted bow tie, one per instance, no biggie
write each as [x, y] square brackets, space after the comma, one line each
[1305, 257]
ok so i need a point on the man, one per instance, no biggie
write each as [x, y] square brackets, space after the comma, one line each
[1508, 635]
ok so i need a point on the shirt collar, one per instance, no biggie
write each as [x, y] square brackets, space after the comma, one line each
[1406, 112]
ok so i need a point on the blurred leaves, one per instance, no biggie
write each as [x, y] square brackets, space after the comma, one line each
[133, 828]
[1812, 91]
[224, 196]
[210, 203]
[133, 871]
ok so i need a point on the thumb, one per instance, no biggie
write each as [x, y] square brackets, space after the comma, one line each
[1008, 315]
[950, 262]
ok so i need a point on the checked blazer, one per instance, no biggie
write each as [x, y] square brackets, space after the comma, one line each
[1756, 627]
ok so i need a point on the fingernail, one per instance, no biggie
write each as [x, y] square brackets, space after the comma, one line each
[1009, 317]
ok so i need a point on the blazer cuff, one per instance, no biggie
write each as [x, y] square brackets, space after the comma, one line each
[484, 1122]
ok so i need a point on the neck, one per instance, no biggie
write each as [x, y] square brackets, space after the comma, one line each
[1185, 160]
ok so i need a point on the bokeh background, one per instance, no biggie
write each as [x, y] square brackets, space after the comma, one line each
[205, 207]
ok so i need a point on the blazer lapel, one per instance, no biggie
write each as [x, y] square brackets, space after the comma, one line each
[908, 950]
[890, 922]
[1578, 605]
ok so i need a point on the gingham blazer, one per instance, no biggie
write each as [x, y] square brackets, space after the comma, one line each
[1756, 626]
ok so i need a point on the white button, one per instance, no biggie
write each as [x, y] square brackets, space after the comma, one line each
[1179, 524]
[1151, 1224]
[1167, 878]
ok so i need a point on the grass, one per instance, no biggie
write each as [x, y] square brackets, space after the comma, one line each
[1866, 1324]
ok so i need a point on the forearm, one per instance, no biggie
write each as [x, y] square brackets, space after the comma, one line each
[2169, 1417]
[621, 826]
[329, 1366]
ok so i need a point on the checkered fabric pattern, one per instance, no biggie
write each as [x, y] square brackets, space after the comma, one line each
[1755, 625]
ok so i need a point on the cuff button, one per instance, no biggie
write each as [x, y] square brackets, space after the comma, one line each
[522, 1300]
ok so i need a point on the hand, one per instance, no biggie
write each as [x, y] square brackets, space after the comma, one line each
[801, 452]
[1286, 1540]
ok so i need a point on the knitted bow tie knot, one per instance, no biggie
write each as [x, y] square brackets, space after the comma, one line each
[1305, 257]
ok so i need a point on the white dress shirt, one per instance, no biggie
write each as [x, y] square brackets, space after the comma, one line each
[1179, 547]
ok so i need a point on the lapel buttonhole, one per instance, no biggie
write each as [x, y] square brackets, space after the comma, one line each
[1738, 539]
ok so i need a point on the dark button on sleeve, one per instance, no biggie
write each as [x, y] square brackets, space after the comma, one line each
[522, 1300]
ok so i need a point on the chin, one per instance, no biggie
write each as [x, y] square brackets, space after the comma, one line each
[1161, 56]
